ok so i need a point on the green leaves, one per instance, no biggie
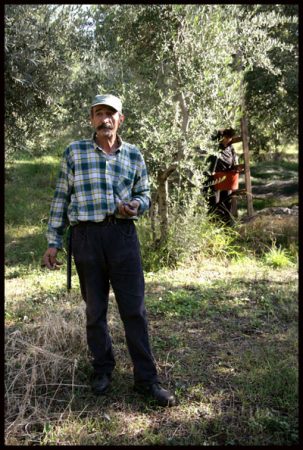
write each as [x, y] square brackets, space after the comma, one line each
[40, 54]
[150, 54]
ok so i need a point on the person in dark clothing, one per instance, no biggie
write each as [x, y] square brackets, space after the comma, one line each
[102, 189]
[219, 201]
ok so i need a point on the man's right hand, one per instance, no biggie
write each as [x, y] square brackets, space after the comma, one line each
[49, 259]
[128, 209]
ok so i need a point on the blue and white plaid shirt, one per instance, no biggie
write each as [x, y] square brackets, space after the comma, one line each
[91, 183]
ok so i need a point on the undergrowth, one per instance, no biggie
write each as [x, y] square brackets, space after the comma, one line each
[223, 313]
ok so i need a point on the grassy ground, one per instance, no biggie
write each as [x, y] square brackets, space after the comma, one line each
[274, 183]
[224, 334]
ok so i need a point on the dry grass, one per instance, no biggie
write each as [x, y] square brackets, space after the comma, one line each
[224, 337]
[41, 362]
[263, 230]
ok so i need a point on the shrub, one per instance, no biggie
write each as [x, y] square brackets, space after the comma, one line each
[190, 236]
[277, 257]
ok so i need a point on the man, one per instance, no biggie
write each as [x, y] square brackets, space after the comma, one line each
[102, 188]
[226, 160]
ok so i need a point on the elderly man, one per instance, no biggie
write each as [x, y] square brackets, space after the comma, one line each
[102, 188]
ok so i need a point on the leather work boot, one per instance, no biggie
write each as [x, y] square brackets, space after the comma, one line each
[155, 391]
[100, 383]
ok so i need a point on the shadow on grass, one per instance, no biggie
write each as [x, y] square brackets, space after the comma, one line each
[273, 184]
[270, 170]
[227, 349]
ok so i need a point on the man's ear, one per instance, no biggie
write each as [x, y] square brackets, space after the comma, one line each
[122, 117]
[91, 116]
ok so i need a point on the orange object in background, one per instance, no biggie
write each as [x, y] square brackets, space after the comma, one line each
[230, 181]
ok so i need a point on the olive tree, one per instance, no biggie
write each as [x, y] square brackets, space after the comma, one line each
[272, 95]
[43, 46]
[177, 83]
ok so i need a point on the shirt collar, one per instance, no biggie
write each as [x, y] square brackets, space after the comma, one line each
[97, 147]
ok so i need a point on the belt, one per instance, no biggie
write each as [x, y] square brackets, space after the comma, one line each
[108, 219]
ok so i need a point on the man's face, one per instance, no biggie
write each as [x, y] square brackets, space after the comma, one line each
[105, 120]
[226, 140]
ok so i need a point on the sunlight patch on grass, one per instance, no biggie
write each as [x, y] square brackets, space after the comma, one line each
[43, 159]
[20, 231]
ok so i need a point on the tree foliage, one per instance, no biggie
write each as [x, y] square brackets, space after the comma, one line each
[182, 72]
[189, 72]
[272, 96]
[43, 44]
[57, 56]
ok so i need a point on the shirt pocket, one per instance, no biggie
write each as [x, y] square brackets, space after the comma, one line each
[124, 187]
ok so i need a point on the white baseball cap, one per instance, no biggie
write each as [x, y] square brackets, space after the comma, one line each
[108, 100]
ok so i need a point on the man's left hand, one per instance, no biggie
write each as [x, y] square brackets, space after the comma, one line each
[129, 209]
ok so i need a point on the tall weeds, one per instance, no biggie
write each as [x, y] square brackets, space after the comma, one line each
[41, 361]
[191, 236]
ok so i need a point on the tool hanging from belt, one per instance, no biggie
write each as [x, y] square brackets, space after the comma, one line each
[69, 259]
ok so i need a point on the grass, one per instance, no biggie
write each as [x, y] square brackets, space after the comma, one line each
[224, 337]
[284, 174]
[223, 330]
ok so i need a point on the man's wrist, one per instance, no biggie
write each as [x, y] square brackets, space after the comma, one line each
[138, 202]
[54, 246]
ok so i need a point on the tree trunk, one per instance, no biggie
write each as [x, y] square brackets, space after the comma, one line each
[250, 209]
[162, 197]
[153, 215]
[163, 207]
[182, 117]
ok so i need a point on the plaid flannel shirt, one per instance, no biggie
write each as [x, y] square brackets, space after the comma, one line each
[91, 183]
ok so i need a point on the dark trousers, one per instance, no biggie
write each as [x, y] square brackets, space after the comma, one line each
[108, 253]
[223, 207]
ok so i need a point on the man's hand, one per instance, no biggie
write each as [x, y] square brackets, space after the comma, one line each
[239, 167]
[49, 259]
[129, 209]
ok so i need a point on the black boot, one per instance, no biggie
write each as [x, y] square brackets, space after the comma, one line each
[155, 391]
[100, 383]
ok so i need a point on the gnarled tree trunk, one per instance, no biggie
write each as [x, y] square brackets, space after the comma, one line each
[162, 195]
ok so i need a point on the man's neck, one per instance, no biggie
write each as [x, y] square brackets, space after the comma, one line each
[109, 145]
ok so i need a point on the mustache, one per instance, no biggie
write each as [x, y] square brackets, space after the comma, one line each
[104, 127]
